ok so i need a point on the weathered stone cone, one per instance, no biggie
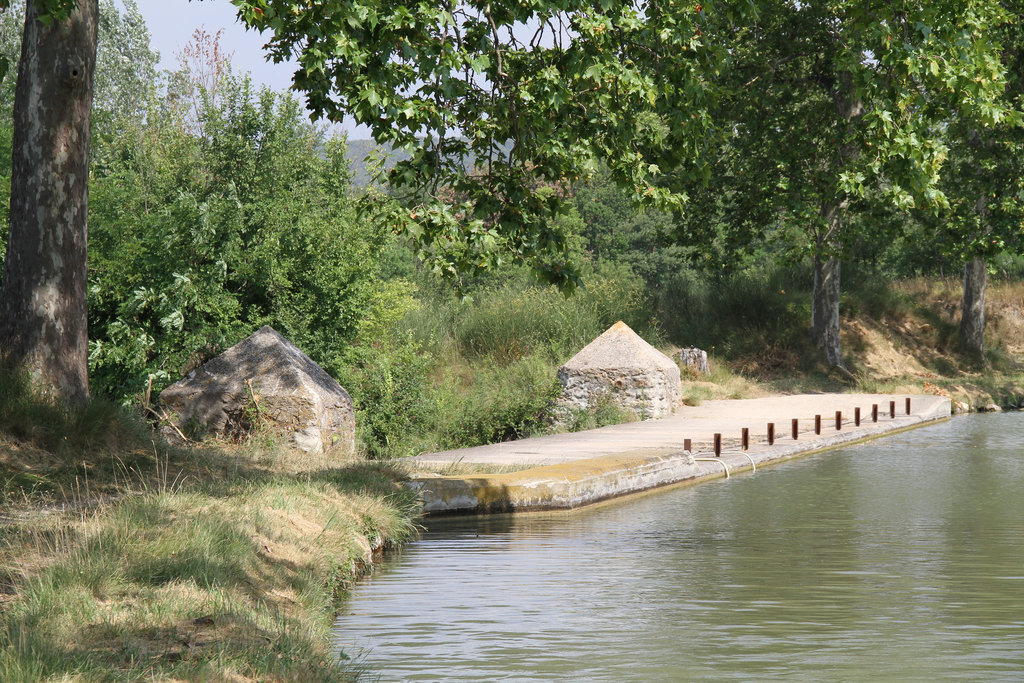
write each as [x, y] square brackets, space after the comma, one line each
[621, 365]
[268, 379]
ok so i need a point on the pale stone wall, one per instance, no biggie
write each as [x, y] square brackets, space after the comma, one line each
[621, 365]
[694, 358]
[650, 395]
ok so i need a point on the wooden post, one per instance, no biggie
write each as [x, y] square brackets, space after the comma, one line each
[746, 439]
[796, 428]
[856, 417]
[908, 405]
[718, 445]
[839, 420]
[771, 433]
[817, 424]
[874, 412]
[892, 409]
[687, 444]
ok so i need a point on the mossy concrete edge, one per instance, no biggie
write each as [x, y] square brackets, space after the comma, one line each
[571, 485]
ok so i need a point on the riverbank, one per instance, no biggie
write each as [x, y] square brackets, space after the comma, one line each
[124, 559]
[713, 440]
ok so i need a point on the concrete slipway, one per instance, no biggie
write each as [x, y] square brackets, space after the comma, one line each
[566, 471]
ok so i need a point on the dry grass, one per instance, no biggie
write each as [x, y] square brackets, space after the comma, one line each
[723, 383]
[453, 469]
[220, 563]
[904, 338]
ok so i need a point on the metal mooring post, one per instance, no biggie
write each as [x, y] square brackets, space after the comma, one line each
[892, 409]
[746, 438]
[874, 412]
[908, 405]
[839, 420]
[856, 417]
[771, 433]
[817, 424]
[796, 428]
[718, 445]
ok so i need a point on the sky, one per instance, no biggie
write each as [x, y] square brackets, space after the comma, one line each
[172, 22]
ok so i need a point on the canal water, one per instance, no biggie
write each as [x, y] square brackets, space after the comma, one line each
[898, 559]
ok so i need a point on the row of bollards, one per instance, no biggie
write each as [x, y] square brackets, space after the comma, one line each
[795, 427]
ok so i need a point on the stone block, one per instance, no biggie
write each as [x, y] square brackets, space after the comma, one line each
[294, 396]
[694, 358]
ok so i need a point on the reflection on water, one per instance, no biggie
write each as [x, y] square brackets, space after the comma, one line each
[898, 559]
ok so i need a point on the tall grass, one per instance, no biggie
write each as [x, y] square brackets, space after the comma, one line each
[463, 372]
[518, 317]
[96, 426]
[736, 313]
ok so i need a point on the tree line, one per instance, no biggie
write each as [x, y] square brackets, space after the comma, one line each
[821, 124]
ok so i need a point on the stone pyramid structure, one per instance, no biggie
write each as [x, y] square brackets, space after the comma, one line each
[620, 364]
[294, 396]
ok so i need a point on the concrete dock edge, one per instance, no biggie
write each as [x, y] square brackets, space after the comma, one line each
[581, 482]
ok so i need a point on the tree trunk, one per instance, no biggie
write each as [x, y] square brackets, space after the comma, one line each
[825, 299]
[43, 324]
[972, 316]
[825, 310]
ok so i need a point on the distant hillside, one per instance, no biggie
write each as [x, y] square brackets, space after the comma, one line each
[362, 167]
[363, 155]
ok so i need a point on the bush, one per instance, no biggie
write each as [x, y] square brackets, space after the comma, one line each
[517, 317]
[201, 232]
[504, 403]
[397, 404]
[737, 312]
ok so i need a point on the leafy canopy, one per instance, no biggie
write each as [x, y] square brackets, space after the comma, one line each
[498, 98]
[837, 102]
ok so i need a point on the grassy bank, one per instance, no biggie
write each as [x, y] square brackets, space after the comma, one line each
[122, 559]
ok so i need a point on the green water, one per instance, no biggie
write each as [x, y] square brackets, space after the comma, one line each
[900, 559]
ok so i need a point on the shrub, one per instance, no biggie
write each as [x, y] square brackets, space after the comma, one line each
[397, 405]
[504, 403]
[201, 232]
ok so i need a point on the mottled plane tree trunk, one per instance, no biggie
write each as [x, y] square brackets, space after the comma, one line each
[828, 240]
[43, 325]
[825, 310]
[972, 315]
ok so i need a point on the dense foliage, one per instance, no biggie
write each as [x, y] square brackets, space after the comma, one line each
[493, 100]
[216, 207]
[198, 239]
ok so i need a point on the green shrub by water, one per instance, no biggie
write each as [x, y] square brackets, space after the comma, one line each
[513, 401]
[467, 371]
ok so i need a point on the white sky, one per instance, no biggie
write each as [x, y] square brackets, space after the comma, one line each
[172, 22]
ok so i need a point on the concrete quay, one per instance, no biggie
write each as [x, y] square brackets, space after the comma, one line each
[565, 471]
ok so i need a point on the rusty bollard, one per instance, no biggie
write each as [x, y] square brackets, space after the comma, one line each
[874, 412]
[718, 445]
[817, 424]
[856, 417]
[839, 420]
[746, 439]
[892, 409]
[908, 405]
[771, 433]
[796, 428]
